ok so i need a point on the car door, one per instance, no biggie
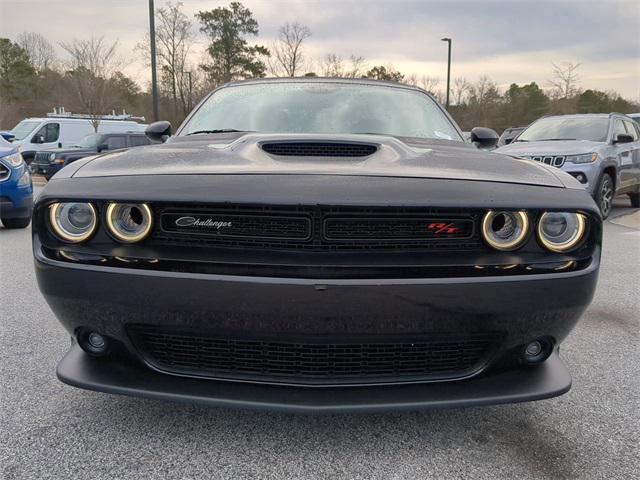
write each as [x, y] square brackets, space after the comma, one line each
[47, 137]
[633, 172]
[624, 157]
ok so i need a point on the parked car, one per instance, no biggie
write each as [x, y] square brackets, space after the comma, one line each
[64, 130]
[48, 162]
[509, 135]
[16, 189]
[602, 151]
[317, 245]
[6, 135]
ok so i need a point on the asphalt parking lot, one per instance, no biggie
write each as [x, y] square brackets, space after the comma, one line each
[50, 430]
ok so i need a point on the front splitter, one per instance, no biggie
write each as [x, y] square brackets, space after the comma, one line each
[538, 382]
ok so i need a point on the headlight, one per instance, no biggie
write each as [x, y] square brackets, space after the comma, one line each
[25, 179]
[561, 231]
[52, 157]
[584, 158]
[129, 222]
[15, 159]
[73, 222]
[504, 230]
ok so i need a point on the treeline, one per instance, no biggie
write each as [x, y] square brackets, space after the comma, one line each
[90, 79]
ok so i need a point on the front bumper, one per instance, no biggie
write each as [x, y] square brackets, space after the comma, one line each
[522, 308]
[16, 202]
[538, 382]
[47, 170]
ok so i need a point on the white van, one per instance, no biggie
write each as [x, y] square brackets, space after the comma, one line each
[65, 130]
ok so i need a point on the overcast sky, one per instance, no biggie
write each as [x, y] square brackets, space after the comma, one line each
[508, 40]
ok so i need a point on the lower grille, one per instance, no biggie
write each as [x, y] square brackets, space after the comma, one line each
[312, 360]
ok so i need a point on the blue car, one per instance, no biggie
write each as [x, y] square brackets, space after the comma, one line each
[16, 188]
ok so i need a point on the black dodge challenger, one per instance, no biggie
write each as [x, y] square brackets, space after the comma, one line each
[317, 245]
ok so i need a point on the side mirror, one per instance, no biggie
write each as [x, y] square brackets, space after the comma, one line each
[38, 139]
[623, 138]
[158, 131]
[103, 146]
[484, 137]
[8, 136]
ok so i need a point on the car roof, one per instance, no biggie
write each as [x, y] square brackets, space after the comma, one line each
[353, 81]
[590, 115]
[70, 119]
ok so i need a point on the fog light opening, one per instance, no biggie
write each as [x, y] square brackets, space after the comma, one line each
[93, 343]
[537, 351]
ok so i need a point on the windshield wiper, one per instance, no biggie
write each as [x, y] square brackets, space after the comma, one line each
[220, 130]
[515, 141]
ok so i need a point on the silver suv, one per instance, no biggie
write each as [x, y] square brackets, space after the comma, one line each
[602, 151]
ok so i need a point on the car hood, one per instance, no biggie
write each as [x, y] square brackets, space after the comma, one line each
[563, 147]
[210, 154]
[64, 151]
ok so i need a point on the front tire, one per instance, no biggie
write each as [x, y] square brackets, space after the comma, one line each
[605, 194]
[635, 199]
[16, 222]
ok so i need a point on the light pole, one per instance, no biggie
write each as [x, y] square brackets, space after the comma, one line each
[154, 78]
[448, 40]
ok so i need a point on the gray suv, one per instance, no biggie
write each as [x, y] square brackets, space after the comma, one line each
[602, 151]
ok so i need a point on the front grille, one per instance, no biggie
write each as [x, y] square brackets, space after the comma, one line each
[554, 160]
[411, 228]
[312, 360]
[316, 228]
[5, 173]
[226, 225]
[319, 149]
[41, 158]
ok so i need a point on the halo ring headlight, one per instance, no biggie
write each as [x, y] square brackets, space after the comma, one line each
[505, 230]
[129, 222]
[561, 231]
[73, 222]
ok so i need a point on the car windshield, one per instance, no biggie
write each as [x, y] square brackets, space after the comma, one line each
[319, 107]
[89, 141]
[567, 128]
[24, 128]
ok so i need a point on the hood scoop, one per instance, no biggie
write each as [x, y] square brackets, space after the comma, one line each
[319, 149]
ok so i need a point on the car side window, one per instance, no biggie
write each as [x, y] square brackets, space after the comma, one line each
[116, 142]
[49, 133]
[138, 140]
[618, 128]
[631, 130]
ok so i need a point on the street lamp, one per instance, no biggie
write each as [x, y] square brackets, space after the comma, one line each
[448, 40]
[154, 78]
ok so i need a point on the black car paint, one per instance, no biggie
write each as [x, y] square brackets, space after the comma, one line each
[230, 169]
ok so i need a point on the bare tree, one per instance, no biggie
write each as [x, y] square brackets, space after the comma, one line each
[174, 42]
[460, 90]
[357, 67]
[430, 84]
[92, 63]
[40, 51]
[333, 65]
[564, 83]
[287, 56]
